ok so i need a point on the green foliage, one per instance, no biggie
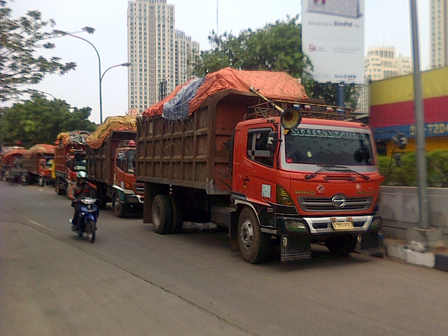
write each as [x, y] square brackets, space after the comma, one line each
[406, 173]
[19, 40]
[276, 47]
[40, 121]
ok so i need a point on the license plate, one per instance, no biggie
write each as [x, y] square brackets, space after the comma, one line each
[342, 225]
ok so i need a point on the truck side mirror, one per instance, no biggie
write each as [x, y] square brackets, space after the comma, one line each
[400, 141]
[272, 142]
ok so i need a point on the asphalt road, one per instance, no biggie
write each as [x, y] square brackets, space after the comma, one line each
[132, 281]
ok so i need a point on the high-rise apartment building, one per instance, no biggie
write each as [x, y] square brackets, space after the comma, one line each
[439, 33]
[381, 63]
[158, 52]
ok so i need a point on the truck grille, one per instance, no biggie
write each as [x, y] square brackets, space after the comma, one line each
[325, 204]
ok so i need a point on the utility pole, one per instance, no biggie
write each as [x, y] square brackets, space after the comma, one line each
[419, 124]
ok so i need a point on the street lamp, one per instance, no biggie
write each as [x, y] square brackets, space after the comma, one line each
[100, 75]
[101, 87]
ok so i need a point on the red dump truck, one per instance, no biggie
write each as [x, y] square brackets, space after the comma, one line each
[69, 159]
[38, 161]
[11, 165]
[240, 158]
[110, 159]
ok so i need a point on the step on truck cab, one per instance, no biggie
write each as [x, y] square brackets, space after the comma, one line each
[275, 173]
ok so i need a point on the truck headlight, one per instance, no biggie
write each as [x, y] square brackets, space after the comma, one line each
[295, 225]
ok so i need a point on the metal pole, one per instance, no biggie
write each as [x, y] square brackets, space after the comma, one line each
[101, 83]
[99, 71]
[341, 98]
[419, 124]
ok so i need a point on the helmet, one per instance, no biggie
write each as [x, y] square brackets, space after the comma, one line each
[81, 175]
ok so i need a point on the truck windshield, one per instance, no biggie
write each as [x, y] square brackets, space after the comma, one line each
[328, 147]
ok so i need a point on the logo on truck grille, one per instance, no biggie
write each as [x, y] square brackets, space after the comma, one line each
[338, 201]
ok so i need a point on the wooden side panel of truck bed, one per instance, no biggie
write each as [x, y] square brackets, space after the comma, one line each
[194, 152]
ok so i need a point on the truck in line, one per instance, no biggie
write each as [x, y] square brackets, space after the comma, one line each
[69, 159]
[37, 161]
[110, 159]
[260, 163]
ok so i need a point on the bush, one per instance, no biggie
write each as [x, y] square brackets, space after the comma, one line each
[405, 174]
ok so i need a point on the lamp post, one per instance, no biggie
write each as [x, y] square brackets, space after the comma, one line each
[101, 87]
[99, 66]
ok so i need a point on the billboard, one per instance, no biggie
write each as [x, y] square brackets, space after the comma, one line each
[333, 38]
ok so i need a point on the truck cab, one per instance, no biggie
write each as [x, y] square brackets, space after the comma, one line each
[314, 183]
[128, 194]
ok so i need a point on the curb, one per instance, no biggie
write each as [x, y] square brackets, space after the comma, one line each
[425, 259]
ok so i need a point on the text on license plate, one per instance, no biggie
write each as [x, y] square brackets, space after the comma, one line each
[342, 225]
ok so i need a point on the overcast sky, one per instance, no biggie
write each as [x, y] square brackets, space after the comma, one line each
[386, 24]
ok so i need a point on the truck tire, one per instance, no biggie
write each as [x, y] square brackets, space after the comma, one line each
[253, 244]
[57, 186]
[177, 214]
[119, 207]
[341, 245]
[162, 217]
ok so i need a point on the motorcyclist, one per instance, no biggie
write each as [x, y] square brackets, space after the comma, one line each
[81, 189]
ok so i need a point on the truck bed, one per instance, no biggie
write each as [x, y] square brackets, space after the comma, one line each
[194, 152]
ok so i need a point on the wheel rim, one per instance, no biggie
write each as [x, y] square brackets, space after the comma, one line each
[117, 204]
[156, 216]
[247, 235]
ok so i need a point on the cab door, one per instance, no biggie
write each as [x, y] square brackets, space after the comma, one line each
[254, 173]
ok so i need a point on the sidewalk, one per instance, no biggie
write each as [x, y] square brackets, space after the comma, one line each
[417, 254]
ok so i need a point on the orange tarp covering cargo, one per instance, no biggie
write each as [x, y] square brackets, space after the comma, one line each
[187, 98]
[41, 148]
[118, 123]
[74, 137]
[8, 158]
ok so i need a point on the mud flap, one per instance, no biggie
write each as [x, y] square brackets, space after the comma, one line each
[295, 247]
[369, 242]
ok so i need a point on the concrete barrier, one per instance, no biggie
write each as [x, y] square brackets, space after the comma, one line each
[399, 209]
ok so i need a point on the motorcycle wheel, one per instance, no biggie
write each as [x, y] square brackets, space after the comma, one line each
[91, 234]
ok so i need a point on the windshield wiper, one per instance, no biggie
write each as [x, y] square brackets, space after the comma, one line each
[334, 168]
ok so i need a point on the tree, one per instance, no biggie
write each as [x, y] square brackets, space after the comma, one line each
[19, 40]
[276, 47]
[40, 120]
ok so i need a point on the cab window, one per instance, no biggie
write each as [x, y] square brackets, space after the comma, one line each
[257, 150]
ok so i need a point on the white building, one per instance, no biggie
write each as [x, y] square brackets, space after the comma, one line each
[158, 53]
[439, 33]
[381, 63]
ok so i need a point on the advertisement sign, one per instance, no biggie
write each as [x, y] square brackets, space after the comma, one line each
[333, 38]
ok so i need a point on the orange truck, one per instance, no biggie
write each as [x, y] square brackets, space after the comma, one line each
[69, 159]
[249, 153]
[110, 159]
[38, 161]
[11, 165]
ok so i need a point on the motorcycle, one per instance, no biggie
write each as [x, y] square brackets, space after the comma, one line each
[87, 218]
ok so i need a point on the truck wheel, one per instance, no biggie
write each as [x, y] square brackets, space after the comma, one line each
[57, 186]
[177, 214]
[253, 243]
[119, 208]
[341, 245]
[162, 217]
